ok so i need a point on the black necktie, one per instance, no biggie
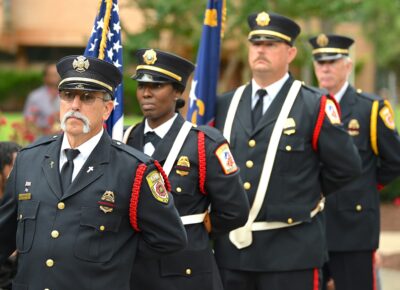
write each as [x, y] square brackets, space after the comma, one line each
[68, 168]
[151, 137]
[258, 109]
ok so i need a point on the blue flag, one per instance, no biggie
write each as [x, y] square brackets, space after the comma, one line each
[203, 91]
[105, 43]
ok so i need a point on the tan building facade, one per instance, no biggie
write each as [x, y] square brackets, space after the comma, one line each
[26, 24]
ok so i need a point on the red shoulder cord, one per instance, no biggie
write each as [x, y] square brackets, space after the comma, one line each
[318, 125]
[202, 161]
[164, 176]
[135, 196]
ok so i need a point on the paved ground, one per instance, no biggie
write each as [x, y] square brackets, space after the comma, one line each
[390, 247]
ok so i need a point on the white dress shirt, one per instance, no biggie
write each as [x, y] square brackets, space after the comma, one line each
[272, 91]
[84, 151]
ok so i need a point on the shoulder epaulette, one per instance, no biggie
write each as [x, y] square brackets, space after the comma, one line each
[210, 132]
[316, 90]
[42, 141]
[131, 151]
[367, 96]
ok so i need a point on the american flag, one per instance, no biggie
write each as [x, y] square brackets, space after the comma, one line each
[105, 43]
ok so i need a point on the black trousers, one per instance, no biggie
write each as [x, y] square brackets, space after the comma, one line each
[290, 280]
[353, 270]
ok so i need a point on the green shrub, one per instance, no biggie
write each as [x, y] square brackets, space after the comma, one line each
[15, 85]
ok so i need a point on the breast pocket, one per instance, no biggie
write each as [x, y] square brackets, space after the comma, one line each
[27, 213]
[290, 154]
[96, 239]
[183, 185]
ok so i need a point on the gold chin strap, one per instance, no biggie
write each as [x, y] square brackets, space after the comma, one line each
[374, 130]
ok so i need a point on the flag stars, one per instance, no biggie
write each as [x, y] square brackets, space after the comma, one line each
[116, 8]
[192, 94]
[100, 24]
[117, 27]
[93, 45]
[110, 35]
[117, 64]
[110, 53]
[117, 46]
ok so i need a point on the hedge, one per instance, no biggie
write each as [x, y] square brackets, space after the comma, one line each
[15, 85]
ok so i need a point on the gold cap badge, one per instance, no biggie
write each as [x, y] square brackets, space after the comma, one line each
[263, 19]
[322, 40]
[183, 166]
[150, 56]
[107, 201]
[80, 64]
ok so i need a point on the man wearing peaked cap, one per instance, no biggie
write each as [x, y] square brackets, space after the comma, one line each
[89, 74]
[352, 214]
[201, 170]
[77, 201]
[271, 124]
[271, 26]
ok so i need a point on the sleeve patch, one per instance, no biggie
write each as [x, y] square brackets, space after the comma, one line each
[225, 158]
[387, 117]
[332, 112]
[157, 187]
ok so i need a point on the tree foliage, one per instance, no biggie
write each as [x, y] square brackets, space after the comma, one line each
[176, 25]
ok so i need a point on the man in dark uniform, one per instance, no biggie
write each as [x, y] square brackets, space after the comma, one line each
[289, 143]
[202, 173]
[79, 229]
[352, 214]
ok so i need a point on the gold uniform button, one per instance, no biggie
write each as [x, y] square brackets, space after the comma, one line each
[61, 205]
[358, 207]
[247, 185]
[288, 148]
[252, 143]
[289, 221]
[46, 289]
[55, 234]
[178, 189]
[188, 271]
[249, 164]
[102, 228]
[49, 263]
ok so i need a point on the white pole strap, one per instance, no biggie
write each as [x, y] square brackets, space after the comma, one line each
[127, 133]
[232, 112]
[177, 146]
[242, 237]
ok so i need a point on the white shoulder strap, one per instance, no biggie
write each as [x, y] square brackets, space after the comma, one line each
[176, 147]
[127, 133]
[242, 237]
[232, 111]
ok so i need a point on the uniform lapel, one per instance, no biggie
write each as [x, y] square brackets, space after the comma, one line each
[51, 168]
[93, 168]
[275, 107]
[347, 102]
[164, 146]
[244, 110]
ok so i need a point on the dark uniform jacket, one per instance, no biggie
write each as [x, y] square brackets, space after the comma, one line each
[353, 213]
[66, 241]
[296, 182]
[195, 267]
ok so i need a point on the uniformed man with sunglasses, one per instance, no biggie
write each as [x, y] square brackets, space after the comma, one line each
[79, 201]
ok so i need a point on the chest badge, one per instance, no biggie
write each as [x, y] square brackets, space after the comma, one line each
[289, 127]
[354, 127]
[107, 202]
[183, 166]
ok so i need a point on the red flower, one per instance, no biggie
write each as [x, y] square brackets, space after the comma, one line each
[396, 201]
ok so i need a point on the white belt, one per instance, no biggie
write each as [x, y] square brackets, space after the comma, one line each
[193, 218]
[263, 226]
